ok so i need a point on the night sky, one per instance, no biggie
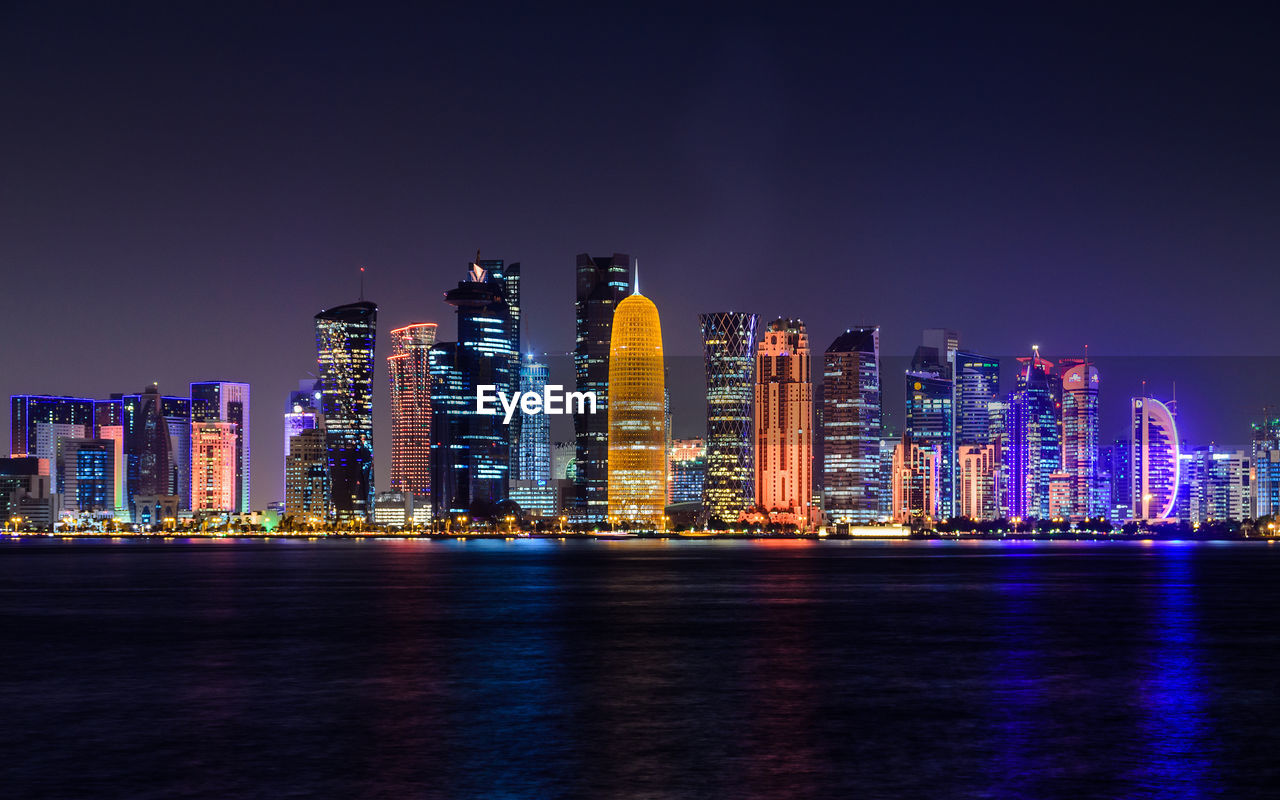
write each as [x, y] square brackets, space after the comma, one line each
[182, 190]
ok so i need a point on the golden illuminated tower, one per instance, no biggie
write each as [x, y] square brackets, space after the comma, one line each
[637, 435]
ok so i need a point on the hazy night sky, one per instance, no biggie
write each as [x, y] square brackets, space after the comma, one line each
[181, 191]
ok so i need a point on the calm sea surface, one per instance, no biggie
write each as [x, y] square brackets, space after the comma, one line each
[490, 669]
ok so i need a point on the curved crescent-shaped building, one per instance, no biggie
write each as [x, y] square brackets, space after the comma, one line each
[637, 423]
[1154, 460]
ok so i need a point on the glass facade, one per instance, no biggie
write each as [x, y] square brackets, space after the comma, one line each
[1153, 460]
[977, 386]
[851, 412]
[409, 371]
[637, 489]
[602, 283]
[345, 339]
[728, 351]
[221, 401]
[930, 419]
[1087, 491]
[534, 449]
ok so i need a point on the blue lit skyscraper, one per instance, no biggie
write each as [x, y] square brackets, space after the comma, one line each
[977, 385]
[345, 339]
[1080, 442]
[728, 348]
[930, 420]
[851, 480]
[1154, 459]
[1035, 448]
[534, 454]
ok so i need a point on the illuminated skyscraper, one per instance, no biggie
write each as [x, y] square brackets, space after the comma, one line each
[686, 470]
[1216, 485]
[977, 481]
[784, 423]
[915, 486]
[637, 489]
[345, 338]
[214, 447]
[1034, 430]
[977, 386]
[73, 416]
[534, 450]
[1080, 443]
[220, 401]
[157, 446]
[930, 418]
[602, 283]
[1153, 460]
[728, 349]
[306, 475]
[1266, 465]
[508, 276]
[410, 373]
[471, 453]
[851, 427]
[86, 471]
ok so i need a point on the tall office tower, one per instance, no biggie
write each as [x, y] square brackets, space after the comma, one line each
[1266, 465]
[728, 353]
[471, 452]
[1215, 485]
[930, 418]
[977, 481]
[1033, 427]
[157, 446]
[686, 470]
[534, 453]
[998, 437]
[214, 482]
[915, 482]
[345, 338]
[888, 444]
[851, 426]
[410, 372]
[637, 488]
[306, 474]
[508, 275]
[86, 471]
[784, 423]
[603, 282]
[39, 422]
[1153, 459]
[1114, 459]
[222, 401]
[1080, 443]
[977, 386]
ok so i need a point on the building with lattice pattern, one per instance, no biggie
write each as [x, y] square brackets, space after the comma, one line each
[637, 424]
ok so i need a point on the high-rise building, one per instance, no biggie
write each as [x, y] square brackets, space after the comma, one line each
[915, 482]
[1153, 459]
[301, 413]
[888, 442]
[1266, 465]
[87, 473]
[471, 452]
[686, 470]
[345, 338]
[38, 421]
[306, 474]
[1033, 425]
[508, 275]
[1113, 467]
[728, 350]
[534, 449]
[222, 401]
[1080, 443]
[977, 385]
[1217, 485]
[157, 447]
[998, 437]
[409, 368]
[977, 481]
[637, 488]
[784, 423]
[602, 283]
[214, 484]
[851, 427]
[930, 418]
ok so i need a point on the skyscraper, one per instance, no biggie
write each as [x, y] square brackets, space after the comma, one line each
[37, 421]
[728, 350]
[508, 276]
[1266, 465]
[977, 481]
[1217, 485]
[602, 283]
[915, 483]
[345, 339]
[686, 470]
[637, 487]
[86, 471]
[1080, 442]
[977, 386]
[930, 419]
[306, 474]
[409, 369]
[214, 446]
[1153, 460]
[220, 401]
[471, 452]
[851, 426]
[1034, 431]
[534, 452]
[157, 447]
[784, 423]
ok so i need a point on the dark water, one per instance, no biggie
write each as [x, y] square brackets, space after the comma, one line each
[638, 669]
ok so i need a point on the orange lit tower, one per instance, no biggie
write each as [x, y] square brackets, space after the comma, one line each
[411, 408]
[784, 423]
[637, 423]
